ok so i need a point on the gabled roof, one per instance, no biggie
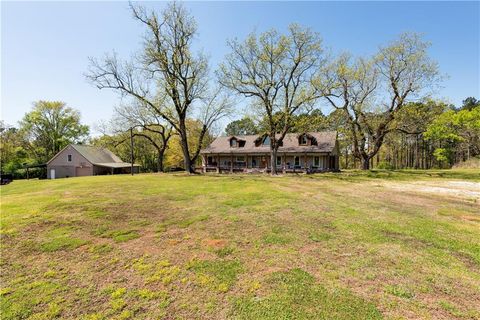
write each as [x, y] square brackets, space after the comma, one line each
[97, 156]
[325, 143]
[238, 138]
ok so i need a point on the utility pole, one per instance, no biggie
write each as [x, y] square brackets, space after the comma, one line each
[131, 150]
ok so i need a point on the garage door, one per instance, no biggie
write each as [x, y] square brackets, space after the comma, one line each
[83, 171]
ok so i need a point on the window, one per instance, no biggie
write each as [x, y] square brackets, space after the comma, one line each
[241, 159]
[316, 161]
[233, 143]
[69, 158]
[303, 140]
[297, 161]
[266, 141]
[279, 161]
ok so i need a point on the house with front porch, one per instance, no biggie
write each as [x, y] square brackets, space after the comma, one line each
[300, 152]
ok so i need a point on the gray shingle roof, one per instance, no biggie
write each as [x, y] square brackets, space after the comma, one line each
[96, 154]
[325, 143]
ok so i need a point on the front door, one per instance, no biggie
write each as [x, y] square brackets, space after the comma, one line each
[52, 173]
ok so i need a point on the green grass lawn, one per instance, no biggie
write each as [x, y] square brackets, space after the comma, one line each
[353, 245]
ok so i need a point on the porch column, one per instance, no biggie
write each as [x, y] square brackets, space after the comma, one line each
[283, 163]
[305, 162]
[246, 161]
[218, 163]
[204, 163]
[231, 163]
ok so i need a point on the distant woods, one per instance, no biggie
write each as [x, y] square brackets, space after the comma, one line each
[45, 130]
[173, 103]
[425, 135]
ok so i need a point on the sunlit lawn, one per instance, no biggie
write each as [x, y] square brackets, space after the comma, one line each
[352, 245]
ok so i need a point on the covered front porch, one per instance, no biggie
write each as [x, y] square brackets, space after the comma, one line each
[286, 163]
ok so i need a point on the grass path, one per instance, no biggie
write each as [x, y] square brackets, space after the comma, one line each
[353, 245]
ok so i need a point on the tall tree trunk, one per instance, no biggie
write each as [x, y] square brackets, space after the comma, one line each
[160, 160]
[186, 154]
[273, 161]
[346, 158]
[365, 163]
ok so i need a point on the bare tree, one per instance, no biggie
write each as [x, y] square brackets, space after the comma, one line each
[166, 77]
[276, 71]
[372, 91]
[148, 125]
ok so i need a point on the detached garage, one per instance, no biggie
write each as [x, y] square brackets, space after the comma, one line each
[77, 160]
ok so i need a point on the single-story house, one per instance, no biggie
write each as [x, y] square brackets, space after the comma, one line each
[305, 152]
[77, 160]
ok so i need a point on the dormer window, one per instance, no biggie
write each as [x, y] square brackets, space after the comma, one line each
[266, 141]
[236, 143]
[303, 140]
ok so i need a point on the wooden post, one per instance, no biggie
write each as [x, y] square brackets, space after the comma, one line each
[218, 163]
[231, 163]
[131, 151]
[305, 162]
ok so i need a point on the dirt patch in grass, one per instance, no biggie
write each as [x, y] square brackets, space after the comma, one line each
[215, 243]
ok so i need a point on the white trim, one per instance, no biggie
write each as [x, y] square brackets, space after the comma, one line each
[304, 136]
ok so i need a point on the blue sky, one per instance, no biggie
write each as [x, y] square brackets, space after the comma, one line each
[45, 45]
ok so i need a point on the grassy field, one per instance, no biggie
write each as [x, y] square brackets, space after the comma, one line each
[353, 245]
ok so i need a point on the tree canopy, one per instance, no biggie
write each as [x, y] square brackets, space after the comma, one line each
[167, 76]
[275, 71]
[51, 126]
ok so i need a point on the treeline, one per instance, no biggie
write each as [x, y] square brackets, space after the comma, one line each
[172, 101]
[52, 125]
[48, 128]
[427, 134]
